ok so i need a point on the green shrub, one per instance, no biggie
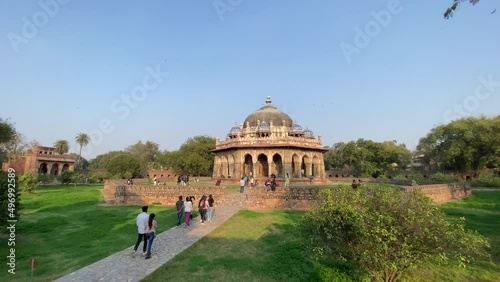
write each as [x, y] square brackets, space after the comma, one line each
[443, 177]
[46, 178]
[486, 180]
[77, 178]
[416, 176]
[28, 182]
[65, 177]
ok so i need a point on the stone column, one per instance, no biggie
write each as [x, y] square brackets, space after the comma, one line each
[308, 169]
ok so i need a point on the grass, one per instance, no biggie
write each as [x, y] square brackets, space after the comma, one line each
[67, 228]
[251, 246]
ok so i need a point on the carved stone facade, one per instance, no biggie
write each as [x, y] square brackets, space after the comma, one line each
[41, 160]
[267, 143]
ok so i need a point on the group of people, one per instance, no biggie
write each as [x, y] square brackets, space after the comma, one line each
[206, 208]
[183, 180]
[147, 225]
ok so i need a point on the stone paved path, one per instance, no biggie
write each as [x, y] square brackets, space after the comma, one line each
[122, 266]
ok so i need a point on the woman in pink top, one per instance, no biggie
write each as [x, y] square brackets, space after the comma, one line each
[150, 227]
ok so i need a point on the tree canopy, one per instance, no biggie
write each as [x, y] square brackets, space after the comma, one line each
[83, 140]
[62, 146]
[195, 157]
[124, 165]
[384, 232]
[102, 161]
[367, 157]
[455, 7]
[467, 144]
[146, 153]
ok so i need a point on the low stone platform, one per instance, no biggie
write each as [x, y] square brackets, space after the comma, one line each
[123, 266]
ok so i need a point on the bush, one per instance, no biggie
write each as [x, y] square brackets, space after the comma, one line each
[28, 182]
[383, 232]
[46, 178]
[4, 199]
[442, 177]
[97, 177]
[65, 176]
[77, 178]
[486, 180]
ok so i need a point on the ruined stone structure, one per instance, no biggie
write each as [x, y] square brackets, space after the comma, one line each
[269, 142]
[41, 160]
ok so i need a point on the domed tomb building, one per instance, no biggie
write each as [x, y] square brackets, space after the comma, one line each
[269, 142]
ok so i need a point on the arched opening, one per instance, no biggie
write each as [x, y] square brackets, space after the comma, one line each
[278, 166]
[43, 168]
[248, 165]
[295, 166]
[263, 166]
[54, 170]
[303, 167]
[65, 167]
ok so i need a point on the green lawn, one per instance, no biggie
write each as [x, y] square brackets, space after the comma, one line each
[265, 246]
[67, 228]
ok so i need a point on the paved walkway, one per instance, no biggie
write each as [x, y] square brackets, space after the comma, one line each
[122, 266]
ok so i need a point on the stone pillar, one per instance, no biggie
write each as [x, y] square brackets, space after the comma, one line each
[308, 169]
[287, 167]
[296, 173]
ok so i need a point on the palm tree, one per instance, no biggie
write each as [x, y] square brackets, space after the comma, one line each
[62, 146]
[83, 140]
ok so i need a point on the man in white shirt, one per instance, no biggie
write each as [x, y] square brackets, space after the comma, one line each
[242, 185]
[141, 221]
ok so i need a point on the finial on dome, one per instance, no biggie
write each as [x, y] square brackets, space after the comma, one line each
[268, 100]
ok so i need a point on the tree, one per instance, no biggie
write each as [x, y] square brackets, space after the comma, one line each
[102, 161]
[124, 164]
[195, 157]
[62, 146]
[7, 131]
[146, 153]
[165, 160]
[463, 145]
[384, 232]
[83, 140]
[456, 5]
[28, 182]
[367, 157]
[83, 164]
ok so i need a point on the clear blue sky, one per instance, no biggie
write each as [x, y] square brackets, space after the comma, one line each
[68, 75]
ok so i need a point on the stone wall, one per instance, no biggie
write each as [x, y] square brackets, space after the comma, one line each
[163, 195]
[442, 193]
[301, 198]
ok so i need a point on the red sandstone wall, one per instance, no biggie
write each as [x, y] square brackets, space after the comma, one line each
[164, 195]
[259, 198]
[16, 164]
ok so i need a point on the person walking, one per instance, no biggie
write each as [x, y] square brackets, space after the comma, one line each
[141, 221]
[188, 208]
[211, 208]
[180, 210]
[287, 180]
[150, 229]
[242, 185]
[203, 208]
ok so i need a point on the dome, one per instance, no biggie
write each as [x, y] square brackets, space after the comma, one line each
[296, 129]
[269, 113]
[308, 133]
[235, 130]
